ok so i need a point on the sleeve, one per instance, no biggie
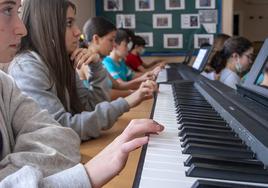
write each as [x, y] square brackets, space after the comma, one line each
[34, 137]
[111, 68]
[87, 124]
[231, 81]
[133, 62]
[98, 86]
[129, 72]
[33, 178]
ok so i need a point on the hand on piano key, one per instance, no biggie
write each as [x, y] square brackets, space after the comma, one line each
[144, 92]
[110, 161]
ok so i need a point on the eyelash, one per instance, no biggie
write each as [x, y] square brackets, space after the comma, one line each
[7, 11]
[69, 23]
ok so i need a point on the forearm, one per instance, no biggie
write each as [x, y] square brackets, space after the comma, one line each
[33, 178]
[116, 93]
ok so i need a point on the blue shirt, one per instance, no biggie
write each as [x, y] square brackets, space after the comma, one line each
[117, 70]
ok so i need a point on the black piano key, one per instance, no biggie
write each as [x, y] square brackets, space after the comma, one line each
[201, 116]
[197, 110]
[218, 151]
[209, 131]
[227, 173]
[224, 127]
[217, 184]
[213, 142]
[187, 107]
[200, 120]
[207, 159]
[214, 137]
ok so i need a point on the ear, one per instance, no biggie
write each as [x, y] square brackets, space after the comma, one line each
[96, 39]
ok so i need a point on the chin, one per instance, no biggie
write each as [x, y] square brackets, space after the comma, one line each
[6, 58]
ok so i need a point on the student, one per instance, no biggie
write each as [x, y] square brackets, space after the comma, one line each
[35, 150]
[214, 67]
[100, 34]
[115, 63]
[45, 60]
[237, 56]
[133, 59]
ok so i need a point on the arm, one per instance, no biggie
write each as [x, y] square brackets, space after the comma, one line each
[110, 161]
[33, 178]
[32, 136]
[101, 169]
[87, 124]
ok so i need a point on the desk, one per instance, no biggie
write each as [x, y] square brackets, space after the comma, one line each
[91, 148]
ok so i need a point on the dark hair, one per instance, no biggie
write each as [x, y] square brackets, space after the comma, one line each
[121, 35]
[45, 21]
[138, 41]
[232, 45]
[130, 33]
[205, 44]
[97, 26]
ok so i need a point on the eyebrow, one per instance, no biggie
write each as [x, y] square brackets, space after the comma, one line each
[8, 2]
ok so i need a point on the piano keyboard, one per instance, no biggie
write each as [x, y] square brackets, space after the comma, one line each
[199, 151]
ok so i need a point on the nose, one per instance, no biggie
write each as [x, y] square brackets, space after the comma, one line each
[77, 31]
[19, 28]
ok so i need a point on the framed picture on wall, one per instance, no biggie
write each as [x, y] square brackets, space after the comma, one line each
[175, 4]
[148, 37]
[190, 21]
[126, 21]
[205, 4]
[201, 39]
[173, 41]
[144, 5]
[113, 5]
[162, 21]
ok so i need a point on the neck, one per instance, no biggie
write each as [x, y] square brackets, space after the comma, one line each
[134, 52]
[115, 57]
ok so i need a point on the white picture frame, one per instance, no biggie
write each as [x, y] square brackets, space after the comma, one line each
[144, 5]
[127, 21]
[173, 41]
[162, 21]
[113, 5]
[148, 37]
[203, 38]
[205, 4]
[175, 4]
[190, 21]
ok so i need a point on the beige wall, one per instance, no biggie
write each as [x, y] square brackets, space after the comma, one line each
[85, 10]
[227, 17]
[255, 29]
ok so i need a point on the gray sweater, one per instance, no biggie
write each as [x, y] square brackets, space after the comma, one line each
[32, 76]
[36, 150]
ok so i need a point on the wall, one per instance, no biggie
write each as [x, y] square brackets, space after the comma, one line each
[227, 16]
[252, 27]
[85, 10]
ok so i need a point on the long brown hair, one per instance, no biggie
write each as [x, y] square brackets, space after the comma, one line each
[45, 21]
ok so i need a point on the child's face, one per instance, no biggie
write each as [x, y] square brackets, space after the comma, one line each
[140, 49]
[106, 43]
[11, 29]
[72, 31]
[122, 49]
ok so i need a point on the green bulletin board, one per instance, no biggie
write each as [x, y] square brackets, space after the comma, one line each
[110, 9]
